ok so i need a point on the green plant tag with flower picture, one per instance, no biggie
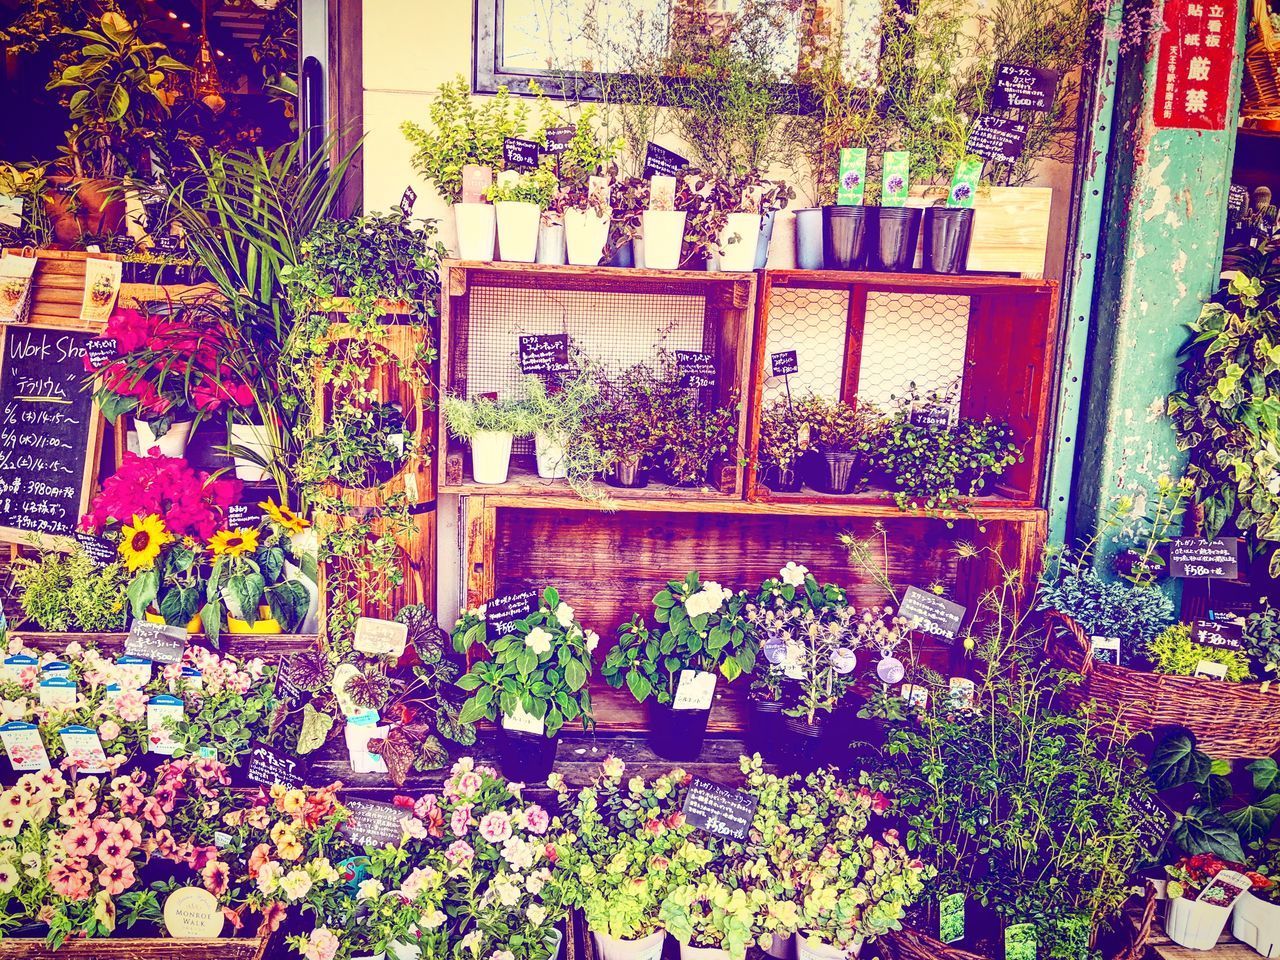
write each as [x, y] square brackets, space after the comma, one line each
[1020, 942]
[853, 175]
[897, 178]
[964, 185]
[951, 917]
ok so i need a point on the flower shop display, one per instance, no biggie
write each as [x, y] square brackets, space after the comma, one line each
[534, 682]
[1202, 892]
[490, 426]
[702, 635]
[841, 433]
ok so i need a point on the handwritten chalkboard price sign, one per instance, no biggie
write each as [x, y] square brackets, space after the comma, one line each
[659, 161]
[1216, 559]
[933, 614]
[544, 353]
[266, 766]
[501, 614]
[1019, 87]
[50, 432]
[784, 363]
[372, 824]
[99, 551]
[719, 810]
[697, 370]
[997, 138]
[520, 154]
[156, 641]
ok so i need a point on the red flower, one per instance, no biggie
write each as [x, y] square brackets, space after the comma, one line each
[190, 503]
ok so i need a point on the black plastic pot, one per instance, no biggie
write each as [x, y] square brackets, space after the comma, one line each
[526, 757]
[897, 232]
[779, 480]
[842, 472]
[764, 733]
[947, 232]
[677, 734]
[628, 475]
[624, 256]
[805, 746]
[848, 236]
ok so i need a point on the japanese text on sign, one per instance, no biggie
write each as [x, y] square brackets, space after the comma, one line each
[1194, 66]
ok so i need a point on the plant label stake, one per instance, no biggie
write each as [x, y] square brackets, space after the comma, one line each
[23, 746]
[783, 364]
[719, 810]
[407, 200]
[1216, 559]
[156, 641]
[659, 161]
[502, 614]
[380, 638]
[99, 551]
[372, 824]
[520, 154]
[933, 614]
[1218, 633]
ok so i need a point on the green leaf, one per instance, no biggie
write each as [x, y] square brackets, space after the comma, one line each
[473, 710]
[639, 685]
[316, 725]
[469, 682]
[1203, 831]
[142, 592]
[1264, 773]
[526, 662]
[575, 675]
[1217, 789]
[1254, 822]
[1176, 761]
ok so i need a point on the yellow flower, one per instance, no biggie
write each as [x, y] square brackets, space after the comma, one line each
[293, 803]
[142, 542]
[289, 848]
[233, 543]
[282, 516]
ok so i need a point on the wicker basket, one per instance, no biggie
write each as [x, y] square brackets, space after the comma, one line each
[1262, 65]
[1231, 721]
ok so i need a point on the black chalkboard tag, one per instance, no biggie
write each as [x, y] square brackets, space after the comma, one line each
[101, 351]
[123, 245]
[997, 138]
[1237, 201]
[559, 138]
[936, 417]
[719, 810]
[659, 161]
[265, 766]
[287, 691]
[1218, 633]
[407, 200]
[245, 516]
[501, 614]
[520, 154]
[170, 243]
[1215, 559]
[696, 369]
[544, 352]
[1017, 87]
[784, 363]
[99, 551]
[372, 824]
[935, 615]
[1155, 818]
[156, 641]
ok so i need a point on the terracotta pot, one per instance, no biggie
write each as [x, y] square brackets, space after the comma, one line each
[78, 206]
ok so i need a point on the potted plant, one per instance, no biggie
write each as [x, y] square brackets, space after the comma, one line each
[533, 684]
[841, 432]
[1200, 900]
[695, 437]
[713, 917]
[703, 634]
[663, 222]
[1256, 918]
[564, 449]
[490, 426]
[629, 197]
[587, 219]
[519, 199]
[67, 592]
[784, 440]
[249, 585]
[625, 425]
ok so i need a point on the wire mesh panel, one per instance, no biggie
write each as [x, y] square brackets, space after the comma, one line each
[813, 323]
[911, 338]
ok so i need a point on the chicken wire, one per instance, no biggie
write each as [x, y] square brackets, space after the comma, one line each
[906, 338]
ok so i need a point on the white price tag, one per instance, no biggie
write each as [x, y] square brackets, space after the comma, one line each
[523, 722]
[23, 746]
[695, 690]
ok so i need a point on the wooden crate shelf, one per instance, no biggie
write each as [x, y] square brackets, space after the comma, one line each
[616, 316]
[864, 337]
[137, 948]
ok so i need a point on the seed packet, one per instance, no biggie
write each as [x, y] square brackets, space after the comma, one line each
[15, 287]
[897, 178]
[476, 181]
[662, 192]
[951, 917]
[101, 286]
[964, 185]
[852, 185]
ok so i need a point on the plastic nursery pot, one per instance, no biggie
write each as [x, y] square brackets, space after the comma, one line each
[1195, 924]
[551, 244]
[766, 237]
[811, 948]
[624, 256]
[172, 444]
[194, 625]
[841, 475]
[549, 454]
[490, 456]
[804, 746]
[764, 729]
[677, 734]
[527, 757]
[848, 236]
[586, 233]
[643, 948]
[690, 952]
[264, 624]
[253, 437]
[1256, 922]
[518, 222]
[809, 252]
[780, 948]
[476, 230]
[947, 232]
[739, 242]
[629, 473]
[663, 232]
[897, 234]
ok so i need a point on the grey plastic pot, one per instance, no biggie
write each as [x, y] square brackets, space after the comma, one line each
[809, 255]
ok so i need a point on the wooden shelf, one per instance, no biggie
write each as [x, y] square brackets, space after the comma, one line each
[523, 481]
[910, 282]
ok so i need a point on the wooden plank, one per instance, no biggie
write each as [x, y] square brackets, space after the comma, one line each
[963, 284]
[481, 519]
[1010, 228]
[134, 295]
[855, 324]
[136, 948]
[627, 274]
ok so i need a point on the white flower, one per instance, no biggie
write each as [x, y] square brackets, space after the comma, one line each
[369, 889]
[593, 641]
[432, 920]
[707, 600]
[564, 615]
[536, 914]
[538, 640]
[518, 853]
[793, 574]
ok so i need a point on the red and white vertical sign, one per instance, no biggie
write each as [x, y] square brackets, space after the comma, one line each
[1194, 67]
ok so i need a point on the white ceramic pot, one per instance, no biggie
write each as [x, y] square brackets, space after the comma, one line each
[518, 223]
[690, 952]
[1195, 924]
[311, 622]
[586, 234]
[1256, 922]
[646, 948]
[780, 948]
[811, 948]
[475, 223]
[551, 243]
[663, 239]
[739, 240]
[490, 456]
[550, 456]
[254, 437]
[172, 444]
[554, 940]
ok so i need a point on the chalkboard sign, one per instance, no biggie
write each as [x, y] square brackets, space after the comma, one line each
[997, 138]
[1023, 88]
[501, 614]
[932, 416]
[696, 369]
[99, 551]
[1209, 559]
[1218, 633]
[559, 138]
[50, 432]
[932, 613]
[170, 243]
[520, 154]
[101, 351]
[1237, 201]
[265, 765]
[1154, 818]
[407, 200]
[544, 353]
[719, 810]
[372, 824]
[245, 516]
[659, 161]
[287, 690]
[783, 363]
[156, 641]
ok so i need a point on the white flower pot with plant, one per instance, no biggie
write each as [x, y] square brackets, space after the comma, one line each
[739, 240]
[252, 447]
[645, 948]
[551, 243]
[170, 443]
[520, 199]
[1256, 922]
[476, 224]
[586, 234]
[490, 426]
[564, 447]
[549, 449]
[663, 235]
[809, 947]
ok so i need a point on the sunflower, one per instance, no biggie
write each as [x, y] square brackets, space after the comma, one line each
[233, 543]
[284, 517]
[142, 542]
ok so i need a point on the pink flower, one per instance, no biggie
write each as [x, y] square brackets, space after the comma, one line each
[69, 881]
[130, 707]
[469, 784]
[216, 876]
[459, 853]
[113, 851]
[117, 879]
[321, 945]
[536, 819]
[495, 827]
[460, 822]
[153, 812]
[108, 730]
[80, 841]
